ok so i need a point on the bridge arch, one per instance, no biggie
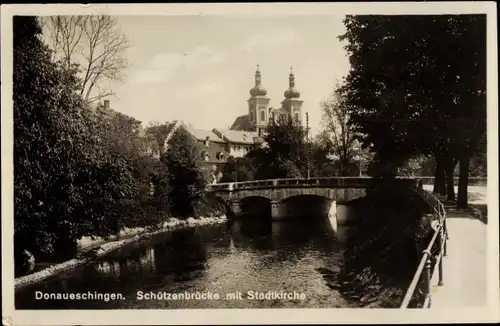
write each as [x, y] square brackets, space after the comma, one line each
[256, 205]
[255, 196]
[283, 194]
[307, 205]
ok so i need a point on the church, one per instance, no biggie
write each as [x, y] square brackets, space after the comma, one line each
[259, 111]
[247, 131]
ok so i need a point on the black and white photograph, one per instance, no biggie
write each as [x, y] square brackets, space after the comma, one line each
[263, 163]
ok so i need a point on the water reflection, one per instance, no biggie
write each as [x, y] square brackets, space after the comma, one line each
[242, 255]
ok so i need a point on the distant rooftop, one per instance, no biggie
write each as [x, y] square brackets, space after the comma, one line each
[242, 123]
[202, 134]
[237, 136]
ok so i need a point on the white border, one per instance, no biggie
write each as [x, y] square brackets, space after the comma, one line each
[240, 316]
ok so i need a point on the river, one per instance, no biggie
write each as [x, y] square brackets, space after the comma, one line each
[227, 259]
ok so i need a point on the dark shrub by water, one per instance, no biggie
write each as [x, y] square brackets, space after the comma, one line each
[382, 256]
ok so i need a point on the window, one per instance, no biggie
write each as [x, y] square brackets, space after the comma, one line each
[262, 115]
[297, 116]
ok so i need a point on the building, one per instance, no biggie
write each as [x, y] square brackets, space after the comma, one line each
[216, 145]
[260, 113]
[246, 132]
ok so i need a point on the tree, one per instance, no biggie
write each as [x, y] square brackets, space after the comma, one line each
[53, 141]
[123, 137]
[284, 154]
[416, 87]
[185, 173]
[95, 43]
[78, 171]
[159, 132]
[237, 169]
[339, 130]
[479, 160]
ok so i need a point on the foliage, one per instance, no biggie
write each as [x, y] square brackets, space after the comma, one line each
[322, 165]
[286, 138]
[338, 130]
[237, 169]
[95, 43]
[284, 154]
[54, 141]
[159, 132]
[382, 256]
[127, 174]
[79, 171]
[412, 167]
[185, 173]
[417, 86]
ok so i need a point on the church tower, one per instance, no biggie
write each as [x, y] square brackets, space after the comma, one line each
[258, 105]
[292, 104]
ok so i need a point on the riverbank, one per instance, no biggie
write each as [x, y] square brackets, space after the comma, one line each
[383, 254]
[94, 248]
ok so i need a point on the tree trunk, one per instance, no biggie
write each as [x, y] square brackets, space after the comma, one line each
[343, 168]
[450, 184]
[463, 182]
[439, 178]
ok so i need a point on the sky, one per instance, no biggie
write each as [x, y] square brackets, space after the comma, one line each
[200, 69]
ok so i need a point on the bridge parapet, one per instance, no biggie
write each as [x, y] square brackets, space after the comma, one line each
[336, 189]
[322, 182]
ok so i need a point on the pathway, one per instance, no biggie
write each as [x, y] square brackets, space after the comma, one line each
[464, 267]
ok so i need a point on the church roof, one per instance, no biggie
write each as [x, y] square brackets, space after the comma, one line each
[242, 123]
[280, 111]
[237, 136]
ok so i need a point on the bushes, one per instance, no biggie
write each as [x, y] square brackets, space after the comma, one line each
[184, 172]
[238, 169]
[81, 171]
[384, 253]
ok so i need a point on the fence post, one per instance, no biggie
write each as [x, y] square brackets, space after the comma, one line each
[442, 242]
[427, 279]
[446, 229]
[445, 238]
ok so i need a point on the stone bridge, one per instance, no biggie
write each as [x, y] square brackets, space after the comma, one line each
[287, 196]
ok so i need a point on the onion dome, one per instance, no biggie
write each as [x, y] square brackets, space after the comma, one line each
[291, 92]
[258, 90]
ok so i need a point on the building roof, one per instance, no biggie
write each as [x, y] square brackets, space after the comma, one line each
[202, 134]
[279, 111]
[238, 136]
[242, 123]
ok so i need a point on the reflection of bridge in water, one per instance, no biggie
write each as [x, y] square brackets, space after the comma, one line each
[282, 198]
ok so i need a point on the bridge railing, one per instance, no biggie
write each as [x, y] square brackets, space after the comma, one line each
[347, 182]
[421, 281]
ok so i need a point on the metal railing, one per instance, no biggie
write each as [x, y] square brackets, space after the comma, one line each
[328, 182]
[428, 180]
[422, 278]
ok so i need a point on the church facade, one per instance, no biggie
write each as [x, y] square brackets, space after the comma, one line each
[260, 114]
